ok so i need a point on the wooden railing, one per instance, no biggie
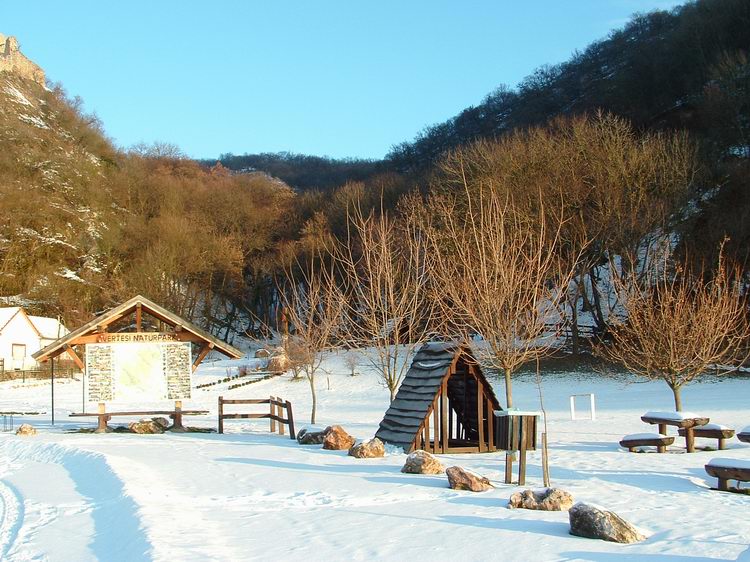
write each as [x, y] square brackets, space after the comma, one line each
[276, 406]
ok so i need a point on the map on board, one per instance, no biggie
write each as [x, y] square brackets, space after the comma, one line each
[138, 371]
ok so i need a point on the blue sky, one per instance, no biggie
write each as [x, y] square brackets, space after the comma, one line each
[332, 77]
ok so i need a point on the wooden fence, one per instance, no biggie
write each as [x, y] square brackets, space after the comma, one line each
[38, 374]
[276, 406]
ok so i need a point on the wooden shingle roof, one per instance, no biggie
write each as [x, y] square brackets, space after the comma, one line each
[433, 362]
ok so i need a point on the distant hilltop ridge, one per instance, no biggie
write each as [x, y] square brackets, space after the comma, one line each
[13, 60]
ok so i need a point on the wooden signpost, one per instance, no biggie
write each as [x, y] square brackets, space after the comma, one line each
[166, 357]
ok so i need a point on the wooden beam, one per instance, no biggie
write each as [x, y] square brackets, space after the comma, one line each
[202, 355]
[138, 317]
[444, 415]
[74, 356]
[435, 426]
[490, 426]
[427, 431]
[480, 416]
[101, 338]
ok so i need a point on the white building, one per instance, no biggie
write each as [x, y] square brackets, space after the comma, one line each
[21, 335]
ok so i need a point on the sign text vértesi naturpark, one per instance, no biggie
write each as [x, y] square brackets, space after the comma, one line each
[137, 337]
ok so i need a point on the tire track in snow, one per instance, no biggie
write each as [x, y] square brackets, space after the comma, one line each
[180, 525]
[118, 534]
[11, 517]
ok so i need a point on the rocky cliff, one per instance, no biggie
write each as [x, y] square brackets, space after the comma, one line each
[13, 60]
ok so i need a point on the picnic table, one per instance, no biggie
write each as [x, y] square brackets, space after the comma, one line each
[712, 431]
[681, 420]
[729, 469]
[744, 435]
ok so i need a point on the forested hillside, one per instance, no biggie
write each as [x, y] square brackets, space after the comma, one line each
[87, 225]
[681, 70]
[687, 68]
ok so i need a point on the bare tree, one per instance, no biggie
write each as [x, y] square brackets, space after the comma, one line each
[315, 306]
[498, 276]
[384, 260]
[678, 324]
[622, 188]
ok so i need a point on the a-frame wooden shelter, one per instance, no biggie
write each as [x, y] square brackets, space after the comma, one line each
[97, 331]
[444, 404]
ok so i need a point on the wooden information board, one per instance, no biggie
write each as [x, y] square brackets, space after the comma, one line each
[149, 370]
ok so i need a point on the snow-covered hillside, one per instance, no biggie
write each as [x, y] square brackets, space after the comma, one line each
[250, 495]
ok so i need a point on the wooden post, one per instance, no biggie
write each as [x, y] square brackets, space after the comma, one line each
[508, 467]
[491, 426]
[138, 317]
[221, 414]
[444, 412]
[663, 428]
[450, 419]
[689, 439]
[435, 425]
[724, 484]
[522, 461]
[721, 443]
[427, 432]
[103, 418]
[272, 410]
[522, 467]
[177, 417]
[290, 417]
[284, 329]
[279, 411]
[480, 416]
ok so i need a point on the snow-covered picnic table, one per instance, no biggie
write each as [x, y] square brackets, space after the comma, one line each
[712, 431]
[744, 435]
[683, 420]
[729, 469]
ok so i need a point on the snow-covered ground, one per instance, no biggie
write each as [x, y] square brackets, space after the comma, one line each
[250, 495]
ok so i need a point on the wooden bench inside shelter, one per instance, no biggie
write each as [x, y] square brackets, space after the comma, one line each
[681, 420]
[630, 442]
[175, 415]
[729, 469]
[712, 431]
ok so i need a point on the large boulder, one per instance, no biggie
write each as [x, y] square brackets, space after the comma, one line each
[337, 439]
[145, 427]
[546, 499]
[305, 437]
[463, 479]
[161, 422]
[592, 522]
[422, 462]
[279, 361]
[26, 429]
[368, 449]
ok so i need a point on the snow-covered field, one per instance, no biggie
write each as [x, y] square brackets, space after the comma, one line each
[250, 495]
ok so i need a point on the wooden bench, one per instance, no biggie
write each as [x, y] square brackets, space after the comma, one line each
[729, 469]
[630, 442]
[677, 419]
[712, 431]
[175, 415]
[744, 435]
